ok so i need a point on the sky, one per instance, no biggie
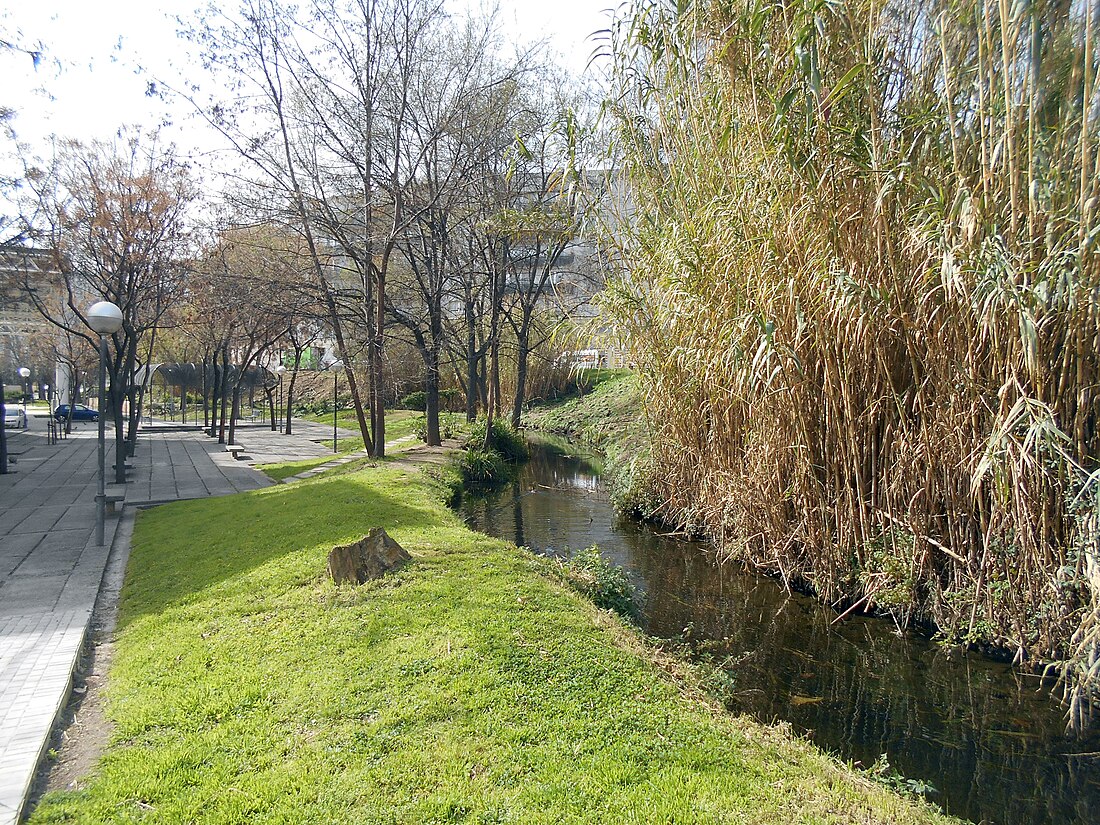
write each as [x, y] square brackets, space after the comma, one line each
[88, 83]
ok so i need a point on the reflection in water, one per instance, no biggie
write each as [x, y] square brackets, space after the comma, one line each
[983, 734]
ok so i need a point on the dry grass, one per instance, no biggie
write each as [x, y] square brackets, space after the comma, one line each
[862, 295]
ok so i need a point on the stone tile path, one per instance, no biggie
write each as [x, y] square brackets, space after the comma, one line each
[37, 657]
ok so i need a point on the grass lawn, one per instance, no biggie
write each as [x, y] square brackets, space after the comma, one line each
[609, 412]
[469, 687]
[400, 424]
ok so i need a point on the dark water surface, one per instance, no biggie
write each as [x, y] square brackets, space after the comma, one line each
[986, 736]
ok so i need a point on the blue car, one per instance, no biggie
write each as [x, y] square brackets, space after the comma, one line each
[80, 413]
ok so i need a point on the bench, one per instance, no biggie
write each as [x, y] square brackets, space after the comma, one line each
[235, 449]
[113, 502]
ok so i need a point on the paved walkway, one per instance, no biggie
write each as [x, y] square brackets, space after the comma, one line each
[50, 568]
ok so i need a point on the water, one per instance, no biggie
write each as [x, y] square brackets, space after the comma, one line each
[986, 736]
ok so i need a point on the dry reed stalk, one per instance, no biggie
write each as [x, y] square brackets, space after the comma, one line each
[870, 360]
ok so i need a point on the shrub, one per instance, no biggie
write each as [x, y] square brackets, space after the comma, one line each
[504, 440]
[449, 400]
[415, 401]
[631, 482]
[605, 583]
[483, 467]
[448, 426]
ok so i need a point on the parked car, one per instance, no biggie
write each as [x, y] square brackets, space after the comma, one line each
[14, 417]
[80, 413]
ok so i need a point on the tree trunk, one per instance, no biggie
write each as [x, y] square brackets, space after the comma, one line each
[215, 387]
[287, 401]
[523, 342]
[290, 386]
[471, 359]
[74, 399]
[136, 396]
[123, 369]
[357, 401]
[115, 398]
[205, 398]
[223, 395]
[129, 393]
[494, 394]
[234, 413]
[271, 407]
[492, 408]
[378, 408]
[494, 378]
[431, 394]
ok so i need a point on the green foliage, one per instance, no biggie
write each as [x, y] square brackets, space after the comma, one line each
[480, 467]
[450, 425]
[504, 441]
[448, 399]
[610, 411]
[632, 481]
[570, 382]
[415, 401]
[605, 583]
[885, 774]
[891, 572]
[447, 481]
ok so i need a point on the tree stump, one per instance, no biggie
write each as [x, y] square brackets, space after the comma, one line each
[371, 557]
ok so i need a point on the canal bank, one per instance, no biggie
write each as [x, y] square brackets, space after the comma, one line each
[978, 737]
[469, 687]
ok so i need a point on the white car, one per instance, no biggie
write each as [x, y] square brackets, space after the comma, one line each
[14, 417]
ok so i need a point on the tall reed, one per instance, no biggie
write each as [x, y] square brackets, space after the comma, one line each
[861, 288]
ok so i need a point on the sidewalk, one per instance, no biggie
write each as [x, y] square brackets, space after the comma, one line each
[51, 570]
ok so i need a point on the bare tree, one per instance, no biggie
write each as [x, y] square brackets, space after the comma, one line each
[463, 102]
[542, 225]
[114, 217]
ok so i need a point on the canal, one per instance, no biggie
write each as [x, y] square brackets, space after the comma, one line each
[983, 739]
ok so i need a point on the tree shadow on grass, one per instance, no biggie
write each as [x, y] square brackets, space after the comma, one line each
[198, 550]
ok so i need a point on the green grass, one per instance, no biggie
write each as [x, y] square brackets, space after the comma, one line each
[399, 424]
[472, 686]
[610, 412]
[286, 469]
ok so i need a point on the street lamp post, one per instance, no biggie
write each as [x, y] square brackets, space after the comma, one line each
[25, 373]
[106, 319]
[334, 366]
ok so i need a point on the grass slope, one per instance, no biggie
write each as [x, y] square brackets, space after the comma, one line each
[608, 416]
[469, 687]
[399, 424]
